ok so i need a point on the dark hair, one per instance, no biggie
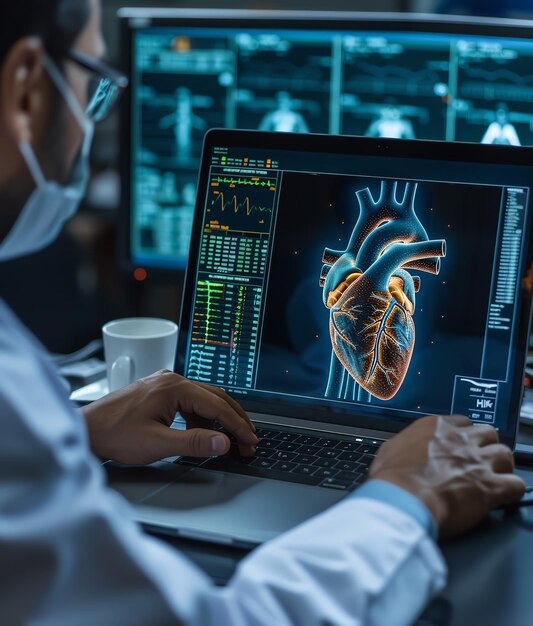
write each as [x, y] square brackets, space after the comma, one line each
[57, 22]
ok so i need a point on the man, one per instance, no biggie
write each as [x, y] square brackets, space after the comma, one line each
[68, 552]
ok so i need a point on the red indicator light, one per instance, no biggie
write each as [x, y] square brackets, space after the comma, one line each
[140, 274]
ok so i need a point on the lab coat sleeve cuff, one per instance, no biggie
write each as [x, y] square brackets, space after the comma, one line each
[386, 492]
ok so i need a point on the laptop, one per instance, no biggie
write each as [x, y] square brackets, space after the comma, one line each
[340, 288]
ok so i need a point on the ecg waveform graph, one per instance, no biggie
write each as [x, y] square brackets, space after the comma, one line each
[241, 203]
[496, 83]
[236, 205]
[364, 78]
[252, 182]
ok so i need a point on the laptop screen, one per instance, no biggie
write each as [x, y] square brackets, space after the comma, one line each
[353, 285]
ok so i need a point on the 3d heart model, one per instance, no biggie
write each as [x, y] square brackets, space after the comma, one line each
[371, 295]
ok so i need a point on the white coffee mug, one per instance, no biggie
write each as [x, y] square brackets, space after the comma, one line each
[137, 347]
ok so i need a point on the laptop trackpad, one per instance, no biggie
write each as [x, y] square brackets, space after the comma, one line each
[233, 508]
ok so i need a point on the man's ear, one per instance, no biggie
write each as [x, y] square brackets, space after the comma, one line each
[24, 101]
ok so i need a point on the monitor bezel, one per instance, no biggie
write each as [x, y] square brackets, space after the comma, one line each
[133, 19]
[427, 150]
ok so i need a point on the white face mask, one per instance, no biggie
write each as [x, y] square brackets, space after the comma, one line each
[51, 204]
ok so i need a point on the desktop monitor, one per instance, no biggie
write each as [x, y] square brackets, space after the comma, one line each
[379, 75]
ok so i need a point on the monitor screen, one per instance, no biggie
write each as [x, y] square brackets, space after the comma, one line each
[364, 284]
[379, 77]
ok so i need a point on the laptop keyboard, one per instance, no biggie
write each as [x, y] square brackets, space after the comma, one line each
[299, 457]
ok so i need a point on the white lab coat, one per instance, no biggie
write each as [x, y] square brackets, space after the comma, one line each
[70, 556]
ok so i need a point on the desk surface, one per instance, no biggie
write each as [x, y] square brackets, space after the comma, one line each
[490, 571]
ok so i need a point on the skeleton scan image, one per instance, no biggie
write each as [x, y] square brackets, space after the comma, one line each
[501, 131]
[285, 118]
[391, 124]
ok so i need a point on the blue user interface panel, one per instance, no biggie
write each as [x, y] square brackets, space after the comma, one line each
[379, 84]
[375, 286]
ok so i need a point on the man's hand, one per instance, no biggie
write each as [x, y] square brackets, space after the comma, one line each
[458, 470]
[132, 425]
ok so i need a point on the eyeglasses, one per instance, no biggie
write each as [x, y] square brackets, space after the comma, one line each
[105, 86]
